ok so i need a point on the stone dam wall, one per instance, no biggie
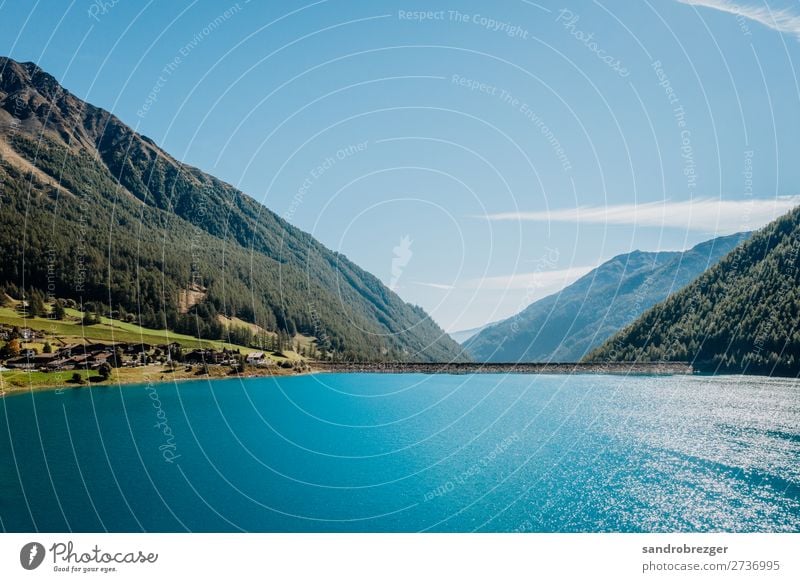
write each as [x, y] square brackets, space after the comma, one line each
[620, 368]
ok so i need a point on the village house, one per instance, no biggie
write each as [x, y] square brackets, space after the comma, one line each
[20, 363]
[80, 361]
[170, 347]
[196, 357]
[202, 356]
[98, 347]
[98, 359]
[259, 359]
[68, 350]
[60, 364]
[209, 356]
[30, 360]
[136, 349]
[43, 359]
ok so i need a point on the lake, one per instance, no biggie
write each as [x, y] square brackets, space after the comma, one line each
[406, 452]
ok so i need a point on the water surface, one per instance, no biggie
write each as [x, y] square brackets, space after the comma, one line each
[339, 452]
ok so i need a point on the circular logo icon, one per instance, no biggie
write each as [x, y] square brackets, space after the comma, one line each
[31, 555]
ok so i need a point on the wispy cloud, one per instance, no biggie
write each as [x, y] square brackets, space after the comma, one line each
[780, 19]
[712, 215]
[541, 281]
[442, 286]
[532, 281]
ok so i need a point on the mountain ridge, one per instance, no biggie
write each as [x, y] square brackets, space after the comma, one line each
[62, 156]
[740, 316]
[565, 326]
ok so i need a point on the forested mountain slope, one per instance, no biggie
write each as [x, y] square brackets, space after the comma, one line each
[741, 316]
[93, 211]
[566, 326]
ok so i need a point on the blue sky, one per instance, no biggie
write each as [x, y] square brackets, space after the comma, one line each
[475, 156]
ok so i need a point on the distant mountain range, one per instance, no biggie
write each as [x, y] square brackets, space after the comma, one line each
[741, 316]
[93, 211]
[566, 326]
[465, 334]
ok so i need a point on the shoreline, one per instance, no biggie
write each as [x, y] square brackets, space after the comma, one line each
[132, 376]
[146, 377]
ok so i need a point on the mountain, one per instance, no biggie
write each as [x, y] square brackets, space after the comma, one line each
[566, 326]
[95, 212]
[463, 335]
[741, 316]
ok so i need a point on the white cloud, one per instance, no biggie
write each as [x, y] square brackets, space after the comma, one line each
[712, 215]
[780, 19]
[538, 282]
[442, 286]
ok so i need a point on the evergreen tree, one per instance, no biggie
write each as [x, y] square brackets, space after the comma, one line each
[58, 310]
[36, 307]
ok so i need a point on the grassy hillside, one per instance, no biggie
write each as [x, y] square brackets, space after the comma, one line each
[72, 330]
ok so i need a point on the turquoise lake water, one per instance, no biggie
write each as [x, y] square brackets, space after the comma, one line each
[339, 452]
